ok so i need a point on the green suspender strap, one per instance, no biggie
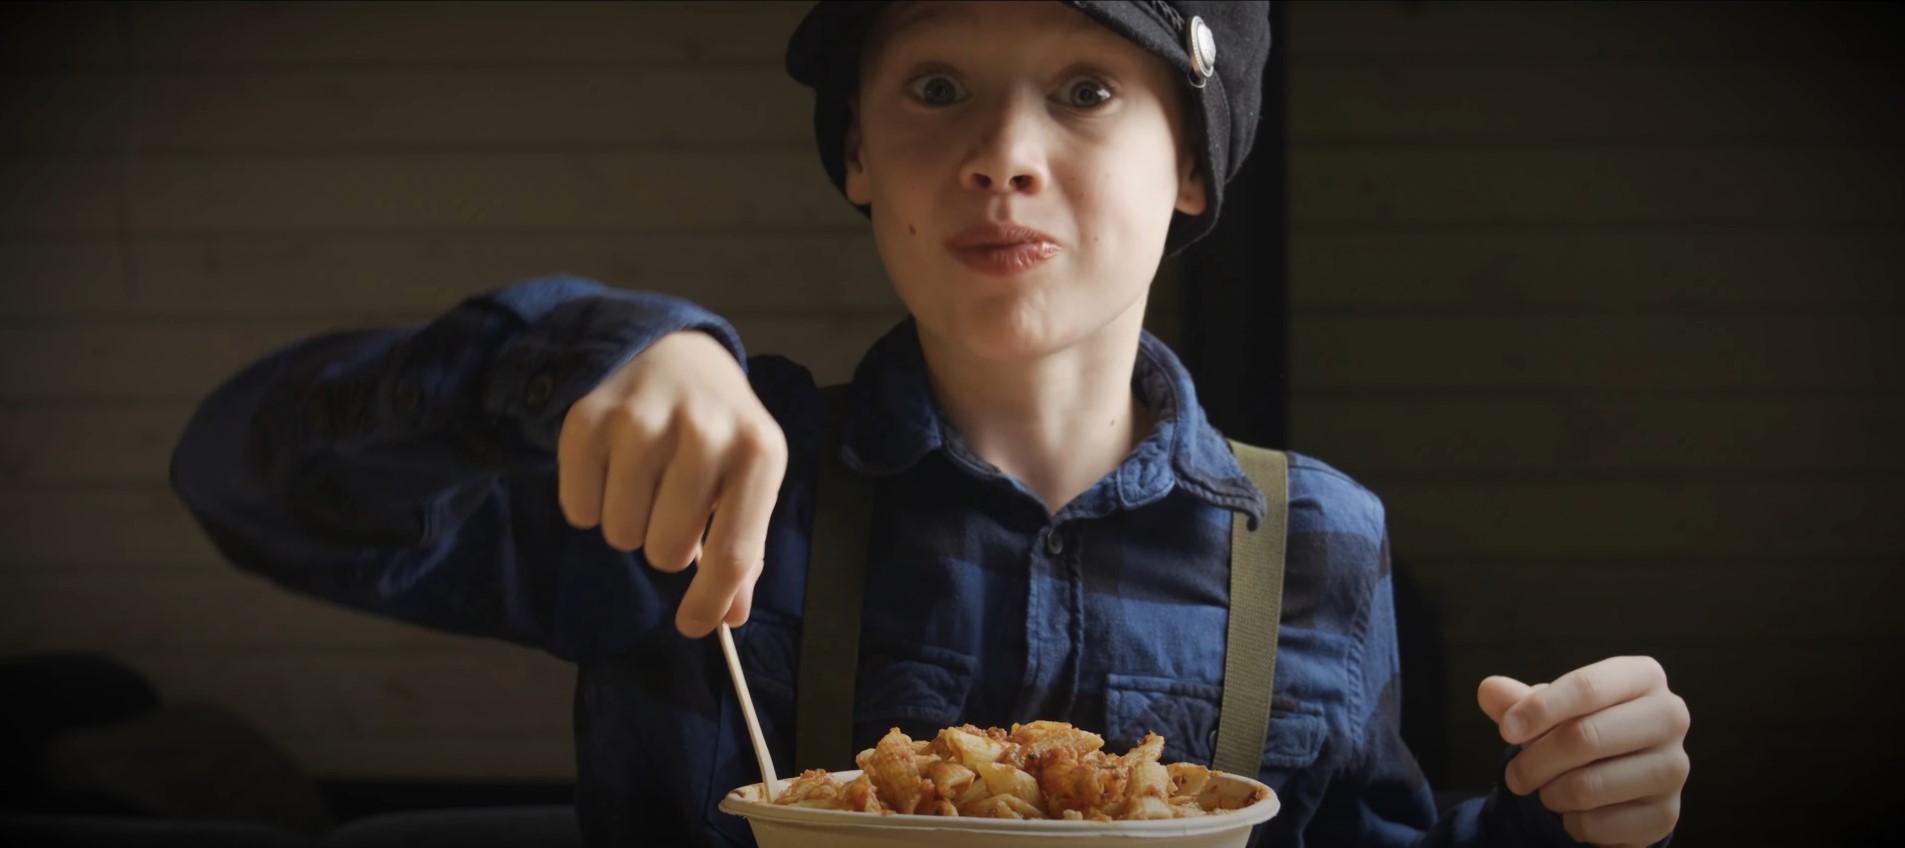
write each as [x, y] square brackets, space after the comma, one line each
[1256, 605]
[830, 620]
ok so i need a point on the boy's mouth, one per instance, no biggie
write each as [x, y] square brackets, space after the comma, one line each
[1002, 249]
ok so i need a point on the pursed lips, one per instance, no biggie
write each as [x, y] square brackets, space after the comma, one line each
[1002, 249]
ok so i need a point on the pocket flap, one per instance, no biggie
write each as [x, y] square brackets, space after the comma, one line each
[920, 688]
[1185, 714]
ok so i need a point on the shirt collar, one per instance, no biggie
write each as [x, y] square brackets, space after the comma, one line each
[893, 420]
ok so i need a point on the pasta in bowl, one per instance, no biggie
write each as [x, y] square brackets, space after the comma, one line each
[1035, 784]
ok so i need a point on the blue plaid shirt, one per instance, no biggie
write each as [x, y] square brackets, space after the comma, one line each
[411, 473]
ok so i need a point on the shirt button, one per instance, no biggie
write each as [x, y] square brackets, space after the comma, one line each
[317, 413]
[1054, 543]
[539, 389]
[356, 416]
[407, 398]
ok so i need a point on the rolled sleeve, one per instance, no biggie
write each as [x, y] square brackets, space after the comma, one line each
[571, 343]
[373, 467]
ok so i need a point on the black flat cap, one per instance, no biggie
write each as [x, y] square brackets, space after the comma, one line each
[1218, 46]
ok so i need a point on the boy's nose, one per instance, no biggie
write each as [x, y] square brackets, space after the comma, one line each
[1006, 165]
[1010, 158]
[1020, 182]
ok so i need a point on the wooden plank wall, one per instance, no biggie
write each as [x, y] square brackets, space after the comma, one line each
[186, 186]
[1606, 300]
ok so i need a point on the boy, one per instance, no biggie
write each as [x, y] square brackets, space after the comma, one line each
[545, 463]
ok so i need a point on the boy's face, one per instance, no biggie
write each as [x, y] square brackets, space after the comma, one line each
[1028, 114]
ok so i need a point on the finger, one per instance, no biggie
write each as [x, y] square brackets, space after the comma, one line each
[1616, 731]
[1636, 823]
[737, 542]
[1580, 692]
[1648, 774]
[581, 465]
[743, 605]
[1497, 693]
[633, 469]
[683, 500]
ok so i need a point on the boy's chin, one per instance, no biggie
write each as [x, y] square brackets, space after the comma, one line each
[1016, 338]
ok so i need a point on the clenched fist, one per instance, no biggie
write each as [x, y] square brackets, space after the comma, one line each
[671, 439]
[1603, 745]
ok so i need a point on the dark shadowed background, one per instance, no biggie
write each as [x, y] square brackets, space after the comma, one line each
[1605, 300]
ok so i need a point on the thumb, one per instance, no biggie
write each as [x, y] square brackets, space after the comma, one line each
[1498, 693]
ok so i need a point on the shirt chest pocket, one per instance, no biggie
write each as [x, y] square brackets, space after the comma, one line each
[770, 649]
[916, 688]
[1185, 714]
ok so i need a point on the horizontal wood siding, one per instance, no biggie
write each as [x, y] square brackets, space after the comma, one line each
[187, 186]
[1607, 302]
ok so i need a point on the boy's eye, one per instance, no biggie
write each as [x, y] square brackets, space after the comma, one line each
[1086, 93]
[937, 90]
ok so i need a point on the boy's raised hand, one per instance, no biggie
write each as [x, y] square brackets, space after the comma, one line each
[1602, 744]
[667, 440]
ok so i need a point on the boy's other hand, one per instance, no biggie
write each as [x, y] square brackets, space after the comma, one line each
[1603, 746]
[666, 441]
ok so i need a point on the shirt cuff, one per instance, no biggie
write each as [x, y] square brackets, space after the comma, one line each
[578, 333]
[1523, 820]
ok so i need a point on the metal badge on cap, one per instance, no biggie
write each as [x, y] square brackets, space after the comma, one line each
[1202, 46]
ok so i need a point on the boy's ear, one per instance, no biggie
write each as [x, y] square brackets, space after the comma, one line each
[857, 190]
[1191, 198]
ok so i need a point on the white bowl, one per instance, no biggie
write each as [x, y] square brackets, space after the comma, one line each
[778, 826]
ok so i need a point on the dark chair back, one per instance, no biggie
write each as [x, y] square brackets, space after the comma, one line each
[1425, 694]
